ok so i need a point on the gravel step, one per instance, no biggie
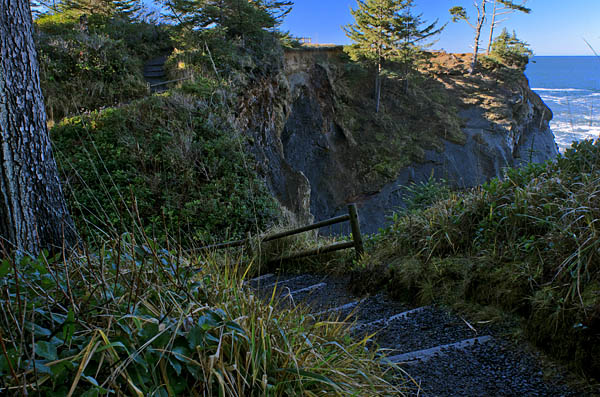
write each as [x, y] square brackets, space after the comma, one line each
[422, 328]
[372, 308]
[426, 354]
[154, 68]
[385, 321]
[446, 355]
[281, 282]
[338, 309]
[335, 299]
[158, 61]
[255, 282]
[495, 368]
[150, 75]
[284, 285]
[310, 288]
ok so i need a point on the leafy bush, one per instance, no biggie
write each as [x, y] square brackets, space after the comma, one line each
[527, 243]
[175, 161]
[423, 195]
[134, 319]
[85, 71]
[511, 51]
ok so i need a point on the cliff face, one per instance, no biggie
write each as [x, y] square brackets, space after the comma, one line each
[322, 146]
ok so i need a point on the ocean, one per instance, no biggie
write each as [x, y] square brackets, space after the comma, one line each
[570, 86]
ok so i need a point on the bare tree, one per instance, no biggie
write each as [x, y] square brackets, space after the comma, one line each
[503, 7]
[33, 212]
[460, 14]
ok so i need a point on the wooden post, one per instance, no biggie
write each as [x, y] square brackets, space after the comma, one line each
[356, 236]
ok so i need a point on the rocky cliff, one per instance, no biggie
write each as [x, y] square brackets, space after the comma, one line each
[322, 146]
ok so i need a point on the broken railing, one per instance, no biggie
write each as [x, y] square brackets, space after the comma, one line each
[356, 243]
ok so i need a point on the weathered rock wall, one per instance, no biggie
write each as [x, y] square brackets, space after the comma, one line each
[315, 163]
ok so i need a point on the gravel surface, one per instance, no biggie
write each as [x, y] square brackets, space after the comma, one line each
[376, 307]
[424, 329]
[495, 368]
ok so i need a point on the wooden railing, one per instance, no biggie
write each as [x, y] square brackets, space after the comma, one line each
[169, 82]
[356, 243]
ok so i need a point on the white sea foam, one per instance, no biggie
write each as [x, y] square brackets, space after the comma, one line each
[566, 132]
[562, 89]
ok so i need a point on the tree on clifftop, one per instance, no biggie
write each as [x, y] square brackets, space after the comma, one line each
[33, 212]
[386, 30]
[413, 36]
[459, 13]
[503, 7]
[239, 18]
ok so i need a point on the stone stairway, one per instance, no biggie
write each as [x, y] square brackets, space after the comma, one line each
[154, 73]
[444, 353]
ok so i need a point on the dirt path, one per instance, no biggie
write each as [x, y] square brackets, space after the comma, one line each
[443, 352]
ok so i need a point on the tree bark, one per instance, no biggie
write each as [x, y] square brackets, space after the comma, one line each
[492, 26]
[33, 212]
[478, 27]
[378, 88]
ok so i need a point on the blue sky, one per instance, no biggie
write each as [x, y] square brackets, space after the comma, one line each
[555, 27]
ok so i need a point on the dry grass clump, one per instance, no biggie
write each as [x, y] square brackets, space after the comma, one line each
[528, 243]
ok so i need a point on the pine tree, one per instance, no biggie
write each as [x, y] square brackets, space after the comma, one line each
[413, 39]
[504, 7]
[510, 50]
[123, 8]
[91, 7]
[277, 9]
[239, 18]
[386, 30]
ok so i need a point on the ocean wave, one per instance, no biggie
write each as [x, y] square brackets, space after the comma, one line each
[562, 89]
[566, 133]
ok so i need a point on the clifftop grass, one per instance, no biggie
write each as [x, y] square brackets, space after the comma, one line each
[528, 244]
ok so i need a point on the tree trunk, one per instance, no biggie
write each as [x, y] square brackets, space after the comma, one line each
[33, 212]
[378, 88]
[480, 22]
[492, 26]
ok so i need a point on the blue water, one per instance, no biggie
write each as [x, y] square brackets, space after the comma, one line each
[570, 86]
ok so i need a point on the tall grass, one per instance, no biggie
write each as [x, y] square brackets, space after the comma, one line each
[528, 243]
[135, 319]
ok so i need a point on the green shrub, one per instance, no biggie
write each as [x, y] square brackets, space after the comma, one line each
[86, 71]
[176, 161]
[423, 195]
[511, 51]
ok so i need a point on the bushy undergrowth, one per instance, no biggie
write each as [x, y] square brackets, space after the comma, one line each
[511, 51]
[172, 160]
[137, 320]
[86, 70]
[528, 243]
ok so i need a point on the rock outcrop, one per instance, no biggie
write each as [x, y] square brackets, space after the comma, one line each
[322, 146]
